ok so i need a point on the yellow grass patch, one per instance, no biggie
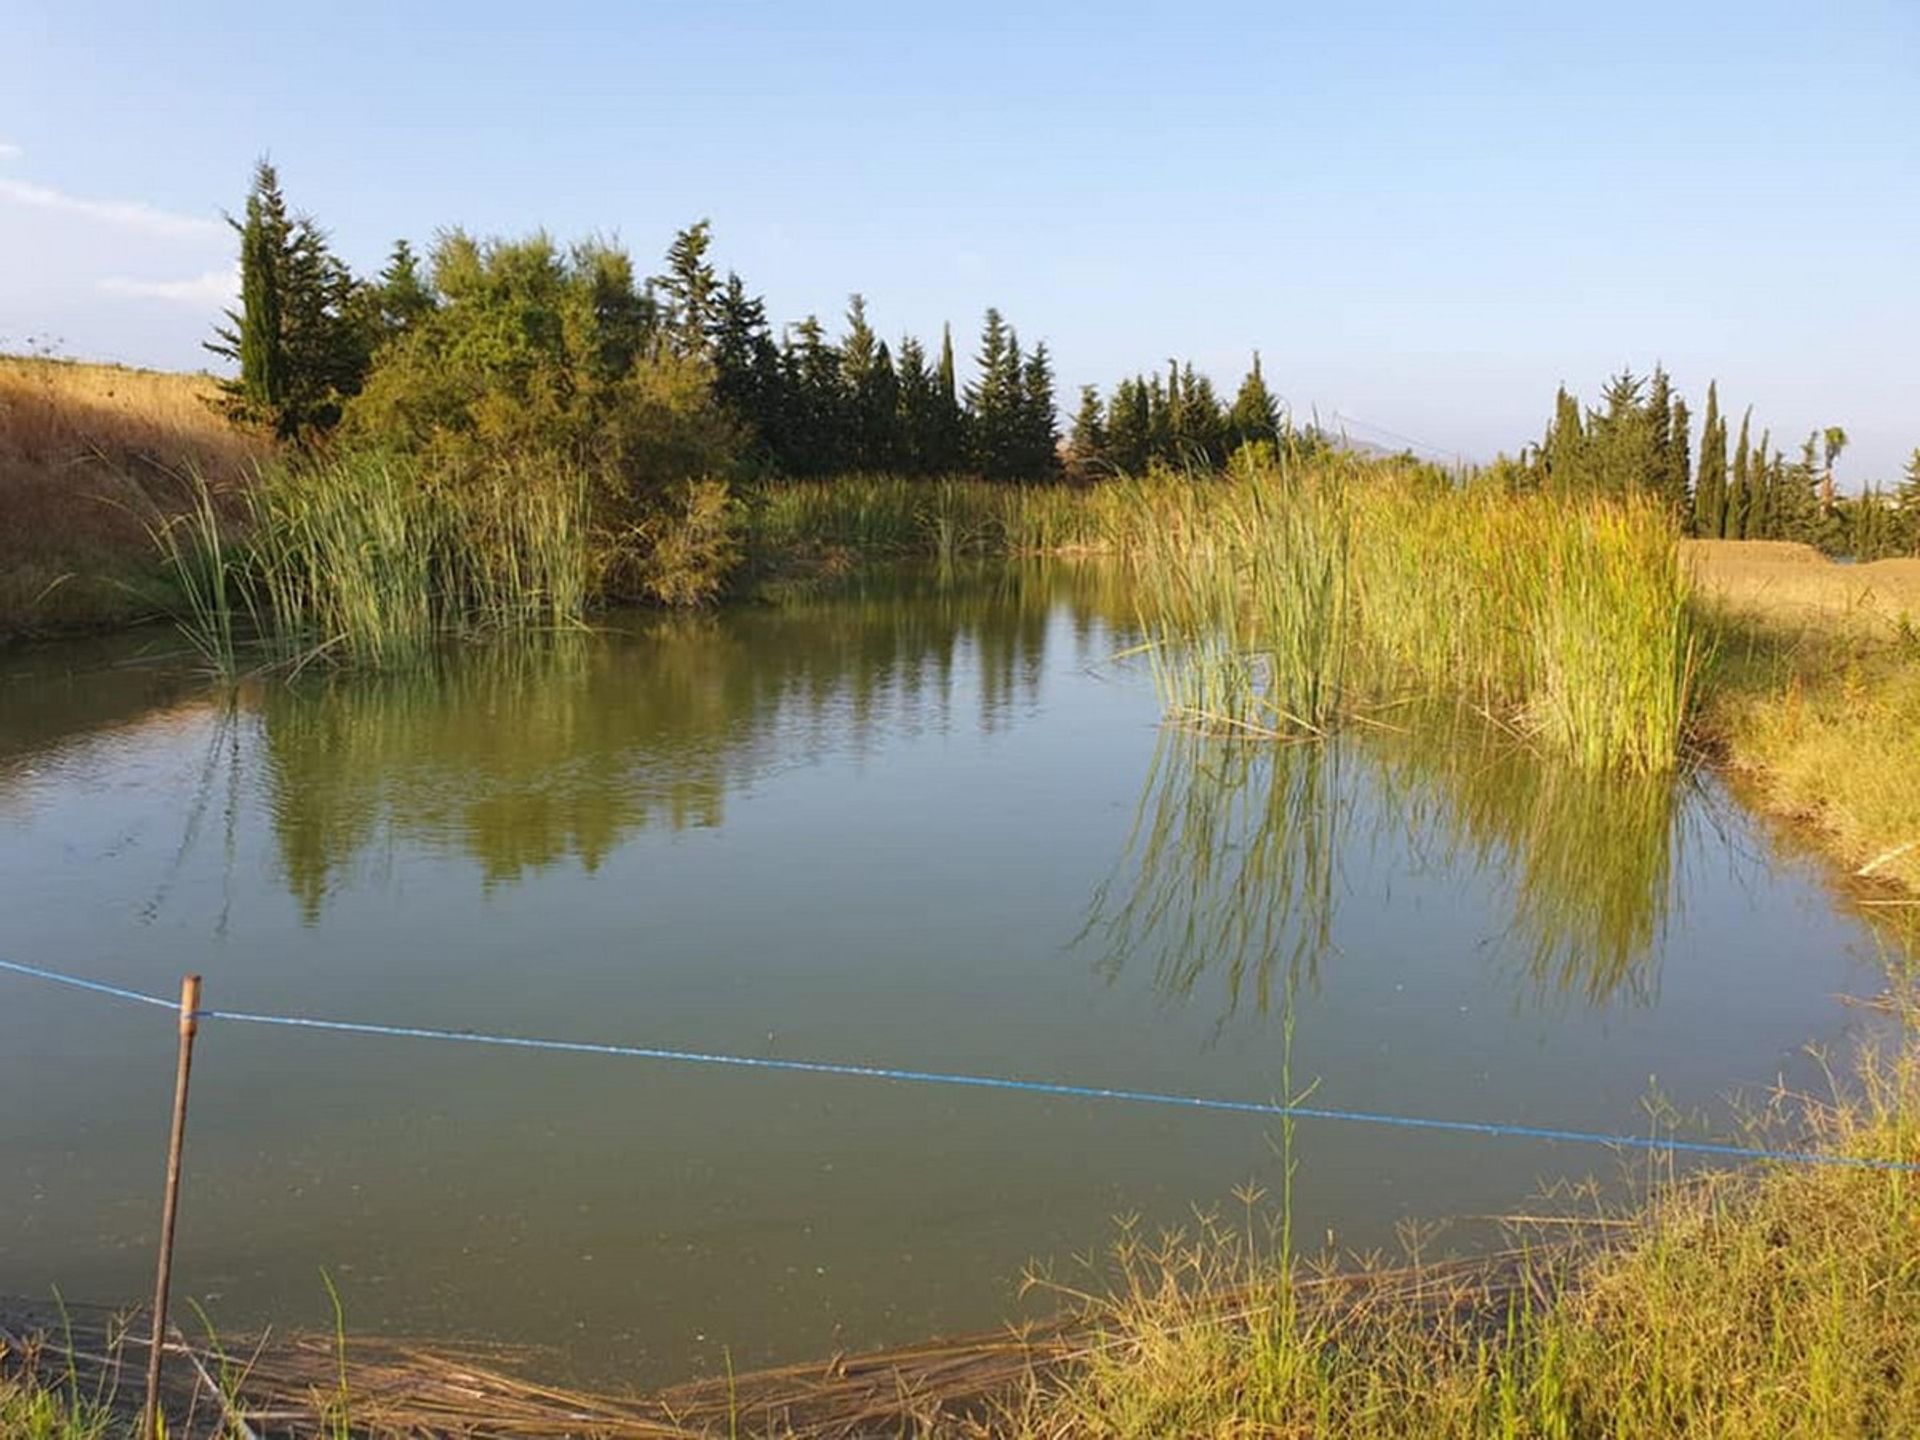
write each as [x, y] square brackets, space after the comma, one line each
[89, 454]
[1782, 582]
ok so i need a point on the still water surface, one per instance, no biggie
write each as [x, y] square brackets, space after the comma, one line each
[927, 825]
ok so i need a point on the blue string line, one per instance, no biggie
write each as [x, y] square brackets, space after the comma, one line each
[97, 986]
[1029, 1087]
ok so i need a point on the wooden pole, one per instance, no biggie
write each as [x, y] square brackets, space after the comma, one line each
[189, 1009]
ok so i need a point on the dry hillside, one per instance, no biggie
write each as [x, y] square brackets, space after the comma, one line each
[90, 457]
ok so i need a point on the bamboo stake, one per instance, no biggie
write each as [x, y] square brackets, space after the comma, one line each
[189, 1026]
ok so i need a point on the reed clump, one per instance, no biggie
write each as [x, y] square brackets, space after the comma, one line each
[1294, 596]
[369, 559]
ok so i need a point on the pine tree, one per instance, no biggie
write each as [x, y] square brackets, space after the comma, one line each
[872, 391]
[689, 290]
[815, 420]
[401, 295]
[1908, 501]
[1087, 441]
[917, 414]
[1659, 437]
[1710, 493]
[1620, 438]
[1201, 425]
[993, 400]
[1039, 447]
[746, 364]
[1256, 414]
[1130, 428]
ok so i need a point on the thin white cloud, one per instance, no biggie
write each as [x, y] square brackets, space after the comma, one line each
[212, 288]
[9, 152]
[128, 214]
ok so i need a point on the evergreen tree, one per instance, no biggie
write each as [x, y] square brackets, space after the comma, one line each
[746, 365]
[1763, 480]
[689, 290]
[1740, 496]
[1039, 448]
[1564, 451]
[1680, 462]
[1797, 497]
[872, 391]
[1256, 414]
[253, 337]
[993, 400]
[301, 338]
[1710, 493]
[1130, 427]
[815, 420]
[401, 295]
[917, 417]
[1620, 439]
[1087, 441]
[947, 439]
[1907, 500]
[1200, 423]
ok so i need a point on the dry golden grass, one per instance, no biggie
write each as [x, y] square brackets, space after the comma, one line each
[88, 455]
[1782, 582]
[1817, 697]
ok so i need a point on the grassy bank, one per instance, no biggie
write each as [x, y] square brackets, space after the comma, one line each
[1817, 704]
[1778, 1303]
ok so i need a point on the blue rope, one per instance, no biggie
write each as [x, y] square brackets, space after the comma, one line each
[1028, 1087]
[96, 986]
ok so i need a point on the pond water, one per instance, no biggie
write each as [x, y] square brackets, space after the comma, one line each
[926, 824]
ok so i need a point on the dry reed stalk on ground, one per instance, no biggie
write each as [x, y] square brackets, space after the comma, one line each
[275, 1385]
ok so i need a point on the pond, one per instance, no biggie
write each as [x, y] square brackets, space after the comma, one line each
[926, 823]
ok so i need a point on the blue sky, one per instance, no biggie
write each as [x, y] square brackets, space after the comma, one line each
[1425, 216]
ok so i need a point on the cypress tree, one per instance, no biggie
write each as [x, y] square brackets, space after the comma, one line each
[947, 447]
[253, 336]
[1680, 462]
[1659, 441]
[1565, 449]
[1710, 494]
[1740, 499]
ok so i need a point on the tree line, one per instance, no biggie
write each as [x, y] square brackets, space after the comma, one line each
[525, 348]
[499, 337]
[1638, 439]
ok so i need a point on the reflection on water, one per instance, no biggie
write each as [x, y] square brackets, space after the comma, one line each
[522, 757]
[1234, 867]
[1230, 867]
